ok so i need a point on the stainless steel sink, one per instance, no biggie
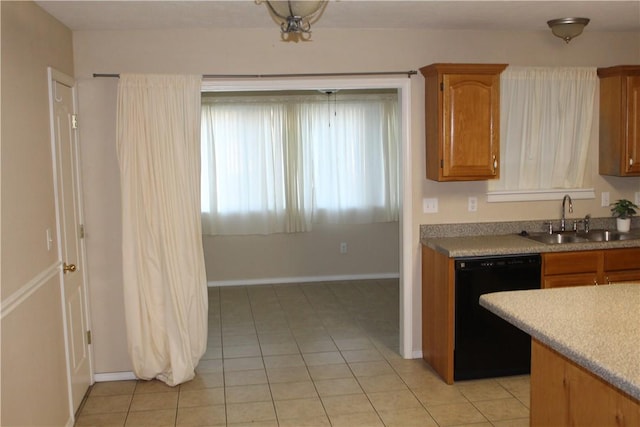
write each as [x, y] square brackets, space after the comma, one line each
[557, 238]
[606, 236]
[560, 237]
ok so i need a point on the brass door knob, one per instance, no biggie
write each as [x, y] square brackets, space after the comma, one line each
[68, 268]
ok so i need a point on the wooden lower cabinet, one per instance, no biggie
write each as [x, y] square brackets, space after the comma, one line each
[438, 293]
[622, 276]
[622, 265]
[582, 268]
[565, 394]
[558, 269]
[565, 280]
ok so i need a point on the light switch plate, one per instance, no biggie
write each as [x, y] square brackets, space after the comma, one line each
[637, 202]
[49, 239]
[605, 199]
[430, 205]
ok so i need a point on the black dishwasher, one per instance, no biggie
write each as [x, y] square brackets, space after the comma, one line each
[486, 345]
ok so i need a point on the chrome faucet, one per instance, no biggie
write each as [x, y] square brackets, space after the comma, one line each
[587, 222]
[563, 220]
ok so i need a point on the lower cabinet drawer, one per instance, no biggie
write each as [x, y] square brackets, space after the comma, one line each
[622, 276]
[622, 259]
[571, 262]
[561, 281]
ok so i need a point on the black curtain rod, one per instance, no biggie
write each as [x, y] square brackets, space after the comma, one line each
[258, 76]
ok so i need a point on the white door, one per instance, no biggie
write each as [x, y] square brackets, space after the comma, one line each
[70, 234]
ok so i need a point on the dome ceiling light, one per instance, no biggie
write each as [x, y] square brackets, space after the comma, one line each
[567, 28]
[295, 17]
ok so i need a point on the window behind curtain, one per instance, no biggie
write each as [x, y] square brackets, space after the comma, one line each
[281, 162]
[546, 122]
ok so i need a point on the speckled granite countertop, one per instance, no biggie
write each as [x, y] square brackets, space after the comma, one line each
[511, 244]
[501, 238]
[597, 327]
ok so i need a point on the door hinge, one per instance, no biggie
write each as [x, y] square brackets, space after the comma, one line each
[88, 337]
[74, 121]
[442, 163]
[441, 86]
[81, 231]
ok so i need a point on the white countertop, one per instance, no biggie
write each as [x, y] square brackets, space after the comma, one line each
[597, 327]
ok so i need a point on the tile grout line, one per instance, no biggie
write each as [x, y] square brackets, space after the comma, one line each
[264, 365]
[324, 408]
[351, 369]
[175, 415]
[131, 402]
[224, 379]
[302, 356]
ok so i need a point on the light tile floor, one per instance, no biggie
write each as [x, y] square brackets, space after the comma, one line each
[321, 354]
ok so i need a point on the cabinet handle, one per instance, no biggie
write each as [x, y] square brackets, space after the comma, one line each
[495, 164]
[630, 161]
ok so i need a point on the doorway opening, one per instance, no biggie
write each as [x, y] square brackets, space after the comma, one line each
[402, 85]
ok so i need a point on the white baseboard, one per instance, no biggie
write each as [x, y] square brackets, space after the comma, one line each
[302, 279]
[114, 376]
[416, 354]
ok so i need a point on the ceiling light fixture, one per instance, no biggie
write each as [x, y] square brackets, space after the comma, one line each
[567, 28]
[295, 17]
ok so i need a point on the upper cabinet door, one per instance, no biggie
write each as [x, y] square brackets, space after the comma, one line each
[633, 125]
[462, 121]
[620, 120]
[471, 138]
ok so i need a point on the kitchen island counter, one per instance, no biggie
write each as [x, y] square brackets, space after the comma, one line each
[596, 327]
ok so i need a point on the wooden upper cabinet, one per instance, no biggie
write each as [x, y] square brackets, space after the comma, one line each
[620, 120]
[462, 121]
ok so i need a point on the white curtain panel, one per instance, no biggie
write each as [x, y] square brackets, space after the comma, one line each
[355, 169]
[165, 289]
[244, 181]
[546, 122]
[281, 163]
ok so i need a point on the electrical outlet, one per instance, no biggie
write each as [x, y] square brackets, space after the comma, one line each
[343, 247]
[605, 199]
[473, 204]
[637, 202]
[430, 205]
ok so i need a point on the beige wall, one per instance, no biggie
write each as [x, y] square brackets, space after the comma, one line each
[34, 388]
[34, 380]
[235, 51]
[372, 250]
[103, 227]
